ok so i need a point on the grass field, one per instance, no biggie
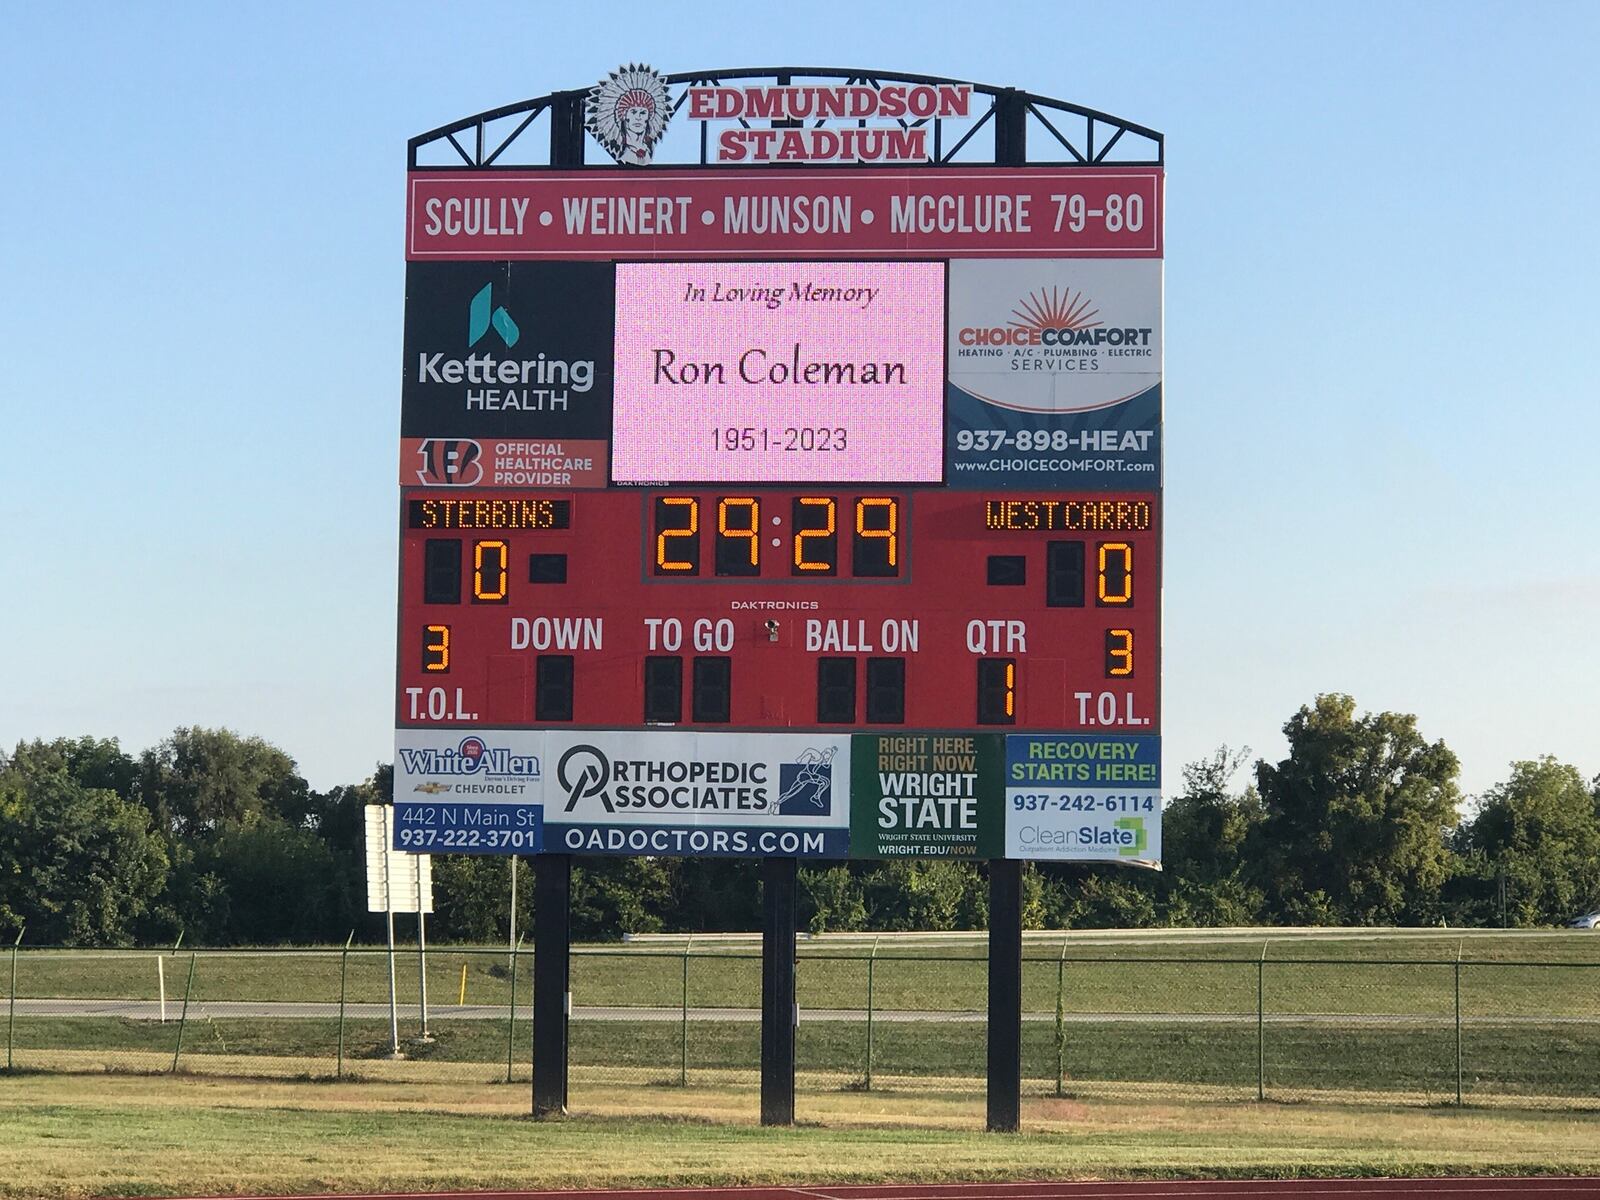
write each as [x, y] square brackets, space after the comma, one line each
[1157, 971]
[1550, 1064]
[75, 1136]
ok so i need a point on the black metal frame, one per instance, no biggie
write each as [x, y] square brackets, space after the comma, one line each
[479, 150]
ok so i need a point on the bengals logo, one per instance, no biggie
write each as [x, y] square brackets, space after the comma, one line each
[449, 462]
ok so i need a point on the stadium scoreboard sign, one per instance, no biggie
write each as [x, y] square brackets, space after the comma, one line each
[798, 496]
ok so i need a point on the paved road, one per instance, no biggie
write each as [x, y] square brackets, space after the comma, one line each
[150, 1010]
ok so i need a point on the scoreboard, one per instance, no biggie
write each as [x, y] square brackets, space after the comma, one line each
[735, 524]
[779, 608]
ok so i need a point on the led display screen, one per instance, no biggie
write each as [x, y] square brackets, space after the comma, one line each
[779, 372]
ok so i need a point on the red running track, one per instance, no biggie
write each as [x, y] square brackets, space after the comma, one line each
[1542, 1187]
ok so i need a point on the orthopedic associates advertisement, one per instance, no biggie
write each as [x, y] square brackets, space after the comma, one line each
[779, 372]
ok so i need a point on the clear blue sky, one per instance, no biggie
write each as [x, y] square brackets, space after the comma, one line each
[1381, 416]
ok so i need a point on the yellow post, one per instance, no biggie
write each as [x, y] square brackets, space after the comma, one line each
[462, 999]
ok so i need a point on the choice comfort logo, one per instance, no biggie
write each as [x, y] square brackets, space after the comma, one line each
[1055, 317]
[1055, 337]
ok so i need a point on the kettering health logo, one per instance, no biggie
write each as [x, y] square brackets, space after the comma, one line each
[480, 319]
[473, 756]
[541, 383]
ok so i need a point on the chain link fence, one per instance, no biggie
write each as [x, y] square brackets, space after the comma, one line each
[1115, 1025]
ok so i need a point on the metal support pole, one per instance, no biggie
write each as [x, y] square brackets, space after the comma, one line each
[552, 946]
[184, 1018]
[683, 1027]
[779, 888]
[388, 915]
[1005, 996]
[511, 938]
[871, 965]
[1261, 1026]
[161, 988]
[1458, 1027]
[511, 1023]
[344, 974]
[11, 1017]
[1061, 1019]
[422, 954]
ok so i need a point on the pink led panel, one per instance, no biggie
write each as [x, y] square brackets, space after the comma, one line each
[779, 372]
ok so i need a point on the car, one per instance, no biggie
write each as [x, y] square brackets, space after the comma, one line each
[1589, 920]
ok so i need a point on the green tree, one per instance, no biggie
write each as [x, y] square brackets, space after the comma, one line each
[613, 896]
[472, 898]
[929, 894]
[199, 780]
[89, 761]
[1205, 832]
[1539, 831]
[79, 866]
[338, 817]
[279, 882]
[1355, 818]
[831, 898]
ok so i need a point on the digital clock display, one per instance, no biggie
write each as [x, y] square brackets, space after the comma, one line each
[779, 372]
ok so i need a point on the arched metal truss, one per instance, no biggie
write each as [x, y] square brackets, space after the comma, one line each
[1015, 127]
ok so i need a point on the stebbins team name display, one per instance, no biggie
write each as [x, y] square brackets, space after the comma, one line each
[800, 499]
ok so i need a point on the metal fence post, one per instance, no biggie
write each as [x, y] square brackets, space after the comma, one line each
[11, 1018]
[183, 1018]
[1458, 1026]
[1261, 1025]
[872, 963]
[1061, 1020]
[683, 1027]
[344, 965]
[511, 1023]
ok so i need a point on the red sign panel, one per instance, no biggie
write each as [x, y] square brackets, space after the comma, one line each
[955, 212]
[716, 607]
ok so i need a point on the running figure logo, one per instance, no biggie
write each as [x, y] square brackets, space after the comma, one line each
[806, 786]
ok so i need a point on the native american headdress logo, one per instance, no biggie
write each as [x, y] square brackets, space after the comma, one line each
[628, 112]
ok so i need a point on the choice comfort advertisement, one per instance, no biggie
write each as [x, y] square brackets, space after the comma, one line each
[1055, 373]
[779, 373]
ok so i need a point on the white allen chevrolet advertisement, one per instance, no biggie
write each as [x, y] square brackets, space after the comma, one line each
[598, 792]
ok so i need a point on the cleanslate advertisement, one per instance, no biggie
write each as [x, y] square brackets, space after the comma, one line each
[507, 374]
[698, 794]
[1074, 797]
[1054, 373]
[926, 795]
